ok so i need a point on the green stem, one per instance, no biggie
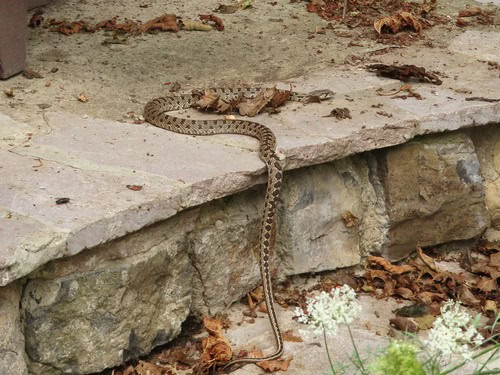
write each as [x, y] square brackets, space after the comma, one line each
[360, 362]
[481, 353]
[328, 351]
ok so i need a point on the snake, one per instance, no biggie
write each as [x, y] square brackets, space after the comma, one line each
[156, 112]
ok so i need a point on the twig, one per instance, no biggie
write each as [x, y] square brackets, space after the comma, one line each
[481, 99]
[344, 12]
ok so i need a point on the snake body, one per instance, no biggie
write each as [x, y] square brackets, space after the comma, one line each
[156, 113]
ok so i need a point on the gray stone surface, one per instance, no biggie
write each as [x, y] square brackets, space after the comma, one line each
[109, 304]
[313, 234]
[433, 184]
[487, 145]
[472, 42]
[12, 355]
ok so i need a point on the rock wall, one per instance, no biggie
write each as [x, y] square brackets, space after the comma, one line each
[119, 300]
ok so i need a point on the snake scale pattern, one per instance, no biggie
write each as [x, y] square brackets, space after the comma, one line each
[156, 113]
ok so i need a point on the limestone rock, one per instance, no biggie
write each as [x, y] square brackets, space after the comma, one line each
[11, 339]
[322, 216]
[433, 193]
[109, 304]
[224, 250]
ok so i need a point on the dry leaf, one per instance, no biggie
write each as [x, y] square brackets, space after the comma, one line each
[495, 260]
[388, 266]
[290, 337]
[405, 324]
[191, 25]
[349, 219]
[134, 187]
[470, 12]
[280, 364]
[340, 113]
[252, 107]
[219, 24]
[426, 321]
[490, 306]
[167, 22]
[83, 98]
[486, 284]
[397, 22]
[404, 293]
[466, 296]
[216, 348]
[146, 368]
[30, 73]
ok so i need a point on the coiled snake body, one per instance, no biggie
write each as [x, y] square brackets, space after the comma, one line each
[156, 113]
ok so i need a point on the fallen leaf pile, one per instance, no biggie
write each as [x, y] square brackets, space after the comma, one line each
[422, 281]
[406, 16]
[216, 348]
[479, 16]
[405, 73]
[166, 22]
[280, 364]
[397, 23]
[266, 100]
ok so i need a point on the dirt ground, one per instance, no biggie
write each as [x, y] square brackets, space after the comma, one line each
[271, 41]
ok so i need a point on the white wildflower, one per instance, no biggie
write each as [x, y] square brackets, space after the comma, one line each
[453, 332]
[329, 310]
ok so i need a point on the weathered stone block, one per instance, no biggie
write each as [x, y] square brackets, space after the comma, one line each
[224, 250]
[109, 304]
[11, 338]
[324, 210]
[433, 193]
[487, 144]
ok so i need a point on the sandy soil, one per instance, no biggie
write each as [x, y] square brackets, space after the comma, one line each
[270, 42]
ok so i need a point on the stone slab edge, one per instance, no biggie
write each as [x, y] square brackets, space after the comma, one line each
[166, 205]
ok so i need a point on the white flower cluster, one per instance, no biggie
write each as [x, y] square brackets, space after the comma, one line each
[453, 332]
[329, 310]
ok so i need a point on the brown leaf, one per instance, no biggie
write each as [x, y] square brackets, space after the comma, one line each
[486, 284]
[280, 97]
[219, 24]
[405, 73]
[213, 326]
[495, 260]
[191, 25]
[30, 73]
[429, 297]
[388, 266]
[426, 321]
[404, 293]
[167, 22]
[461, 22]
[290, 337]
[466, 296]
[349, 219]
[134, 187]
[490, 305]
[470, 12]
[146, 368]
[208, 100]
[262, 308]
[254, 106]
[83, 98]
[280, 364]
[405, 324]
[340, 113]
[397, 22]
